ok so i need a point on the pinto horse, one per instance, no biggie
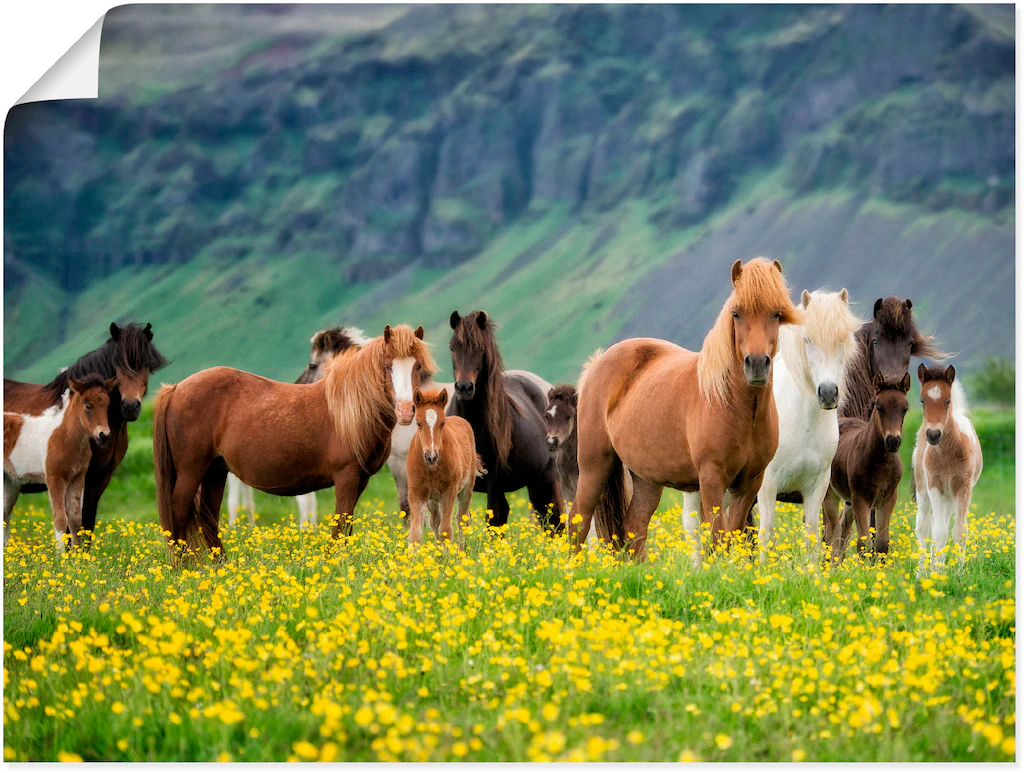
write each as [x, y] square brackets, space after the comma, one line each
[885, 345]
[130, 357]
[506, 411]
[284, 439]
[690, 420]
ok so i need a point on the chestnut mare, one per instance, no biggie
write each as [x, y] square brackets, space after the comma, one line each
[442, 467]
[685, 419]
[866, 471]
[947, 465]
[506, 411]
[55, 449]
[130, 357]
[284, 439]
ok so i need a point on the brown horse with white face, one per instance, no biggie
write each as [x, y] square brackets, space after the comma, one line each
[685, 419]
[284, 439]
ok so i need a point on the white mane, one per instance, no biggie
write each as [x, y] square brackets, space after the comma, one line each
[958, 400]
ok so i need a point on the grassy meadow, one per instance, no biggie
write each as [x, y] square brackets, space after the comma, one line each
[297, 647]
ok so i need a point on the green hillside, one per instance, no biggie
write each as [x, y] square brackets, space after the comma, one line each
[585, 173]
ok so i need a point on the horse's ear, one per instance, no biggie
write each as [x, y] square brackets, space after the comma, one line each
[110, 384]
[737, 271]
[481, 319]
[778, 266]
[950, 374]
[805, 298]
[76, 386]
[148, 331]
[443, 397]
[417, 397]
[878, 307]
[115, 331]
[551, 394]
[454, 319]
[419, 332]
[905, 383]
[921, 371]
[909, 304]
[387, 334]
[878, 382]
[844, 296]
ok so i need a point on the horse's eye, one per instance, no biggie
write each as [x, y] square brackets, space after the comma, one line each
[735, 315]
[777, 315]
[418, 367]
[389, 366]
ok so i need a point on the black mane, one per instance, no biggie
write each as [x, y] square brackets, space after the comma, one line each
[132, 351]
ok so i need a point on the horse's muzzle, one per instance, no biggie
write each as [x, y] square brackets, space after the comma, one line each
[465, 390]
[933, 436]
[828, 396]
[757, 367]
[102, 438]
[131, 409]
[552, 443]
[892, 443]
[404, 411]
[430, 457]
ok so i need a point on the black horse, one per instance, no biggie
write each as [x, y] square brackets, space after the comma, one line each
[507, 415]
[128, 355]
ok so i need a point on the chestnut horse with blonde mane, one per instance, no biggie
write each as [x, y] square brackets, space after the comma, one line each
[285, 439]
[685, 419]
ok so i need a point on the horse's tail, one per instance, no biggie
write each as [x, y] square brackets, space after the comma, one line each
[480, 469]
[163, 462]
[610, 513]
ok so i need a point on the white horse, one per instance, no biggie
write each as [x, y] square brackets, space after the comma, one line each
[402, 437]
[325, 345]
[808, 375]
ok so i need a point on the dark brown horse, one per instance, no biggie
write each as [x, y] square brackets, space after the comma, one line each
[690, 420]
[130, 357]
[506, 412]
[284, 439]
[866, 471]
[885, 345]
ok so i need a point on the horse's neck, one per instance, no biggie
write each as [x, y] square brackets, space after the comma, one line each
[750, 400]
[71, 433]
[795, 403]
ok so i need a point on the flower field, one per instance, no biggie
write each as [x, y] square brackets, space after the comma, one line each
[299, 648]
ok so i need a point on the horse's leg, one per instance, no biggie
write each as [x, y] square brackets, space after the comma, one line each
[596, 464]
[646, 498]
[712, 489]
[940, 529]
[402, 484]
[96, 482]
[417, 513]
[307, 509]
[692, 520]
[445, 533]
[833, 527]
[923, 527]
[740, 506]
[209, 505]
[250, 504]
[546, 500]
[11, 491]
[57, 487]
[349, 483]
[963, 504]
[73, 507]
[465, 497]
[182, 501]
[814, 497]
[862, 516]
[497, 504]
[766, 506]
[234, 497]
[883, 517]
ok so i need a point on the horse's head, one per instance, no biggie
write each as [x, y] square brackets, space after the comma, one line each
[890, 408]
[474, 352]
[325, 345]
[828, 338]
[893, 338]
[561, 414]
[430, 420]
[408, 363]
[936, 396]
[759, 304]
[135, 359]
[92, 394]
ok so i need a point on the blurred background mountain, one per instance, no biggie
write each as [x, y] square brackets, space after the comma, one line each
[251, 174]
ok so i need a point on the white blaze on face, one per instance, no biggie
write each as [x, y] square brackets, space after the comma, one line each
[401, 379]
[432, 422]
[935, 393]
[552, 410]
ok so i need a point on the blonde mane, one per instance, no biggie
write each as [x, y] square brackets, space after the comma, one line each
[586, 370]
[356, 389]
[760, 289]
[830, 326]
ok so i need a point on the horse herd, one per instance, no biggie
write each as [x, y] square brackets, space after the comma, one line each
[799, 402]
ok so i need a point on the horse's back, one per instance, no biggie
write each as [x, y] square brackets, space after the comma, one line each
[30, 399]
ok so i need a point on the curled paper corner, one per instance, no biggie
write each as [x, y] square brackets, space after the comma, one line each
[76, 75]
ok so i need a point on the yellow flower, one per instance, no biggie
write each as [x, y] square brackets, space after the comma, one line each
[722, 741]
[799, 755]
[635, 737]
[117, 707]
[364, 716]
[306, 750]
[68, 757]
[459, 749]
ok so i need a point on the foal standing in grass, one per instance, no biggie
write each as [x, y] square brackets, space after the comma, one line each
[947, 464]
[442, 467]
[56, 449]
[866, 471]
